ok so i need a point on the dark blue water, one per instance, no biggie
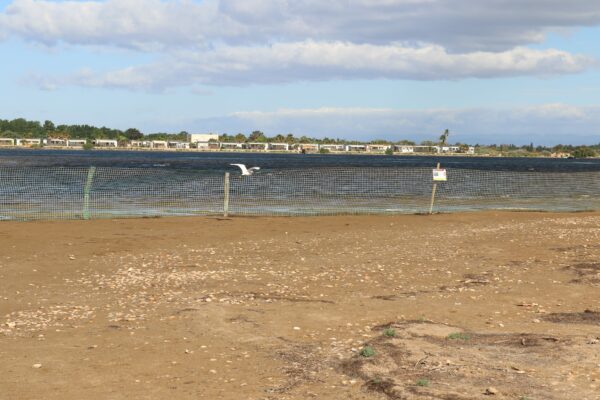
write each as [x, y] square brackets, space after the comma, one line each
[221, 161]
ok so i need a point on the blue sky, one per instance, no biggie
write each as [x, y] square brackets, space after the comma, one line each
[492, 72]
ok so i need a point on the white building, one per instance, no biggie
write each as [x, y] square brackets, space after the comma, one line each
[377, 147]
[257, 146]
[356, 147]
[7, 142]
[405, 149]
[279, 146]
[207, 145]
[56, 142]
[203, 137]
[333, 147]
[144, 144]
[309, 147]
[76, 142]
[178, 145]
[158, 144]
[232, 146]
[471, 150]
[105, 143]
[29, 142]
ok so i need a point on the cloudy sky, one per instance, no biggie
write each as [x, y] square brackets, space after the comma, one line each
[493, 71]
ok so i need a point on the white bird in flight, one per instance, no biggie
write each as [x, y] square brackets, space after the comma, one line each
[246, 171]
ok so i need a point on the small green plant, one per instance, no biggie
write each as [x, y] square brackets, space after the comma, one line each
[389, 151]
[389, 332]
[458, 336]
[323, 151]
[423, 382]
[367, 351]
[88, 146]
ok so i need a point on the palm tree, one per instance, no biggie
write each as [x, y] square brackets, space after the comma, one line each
[444, 137]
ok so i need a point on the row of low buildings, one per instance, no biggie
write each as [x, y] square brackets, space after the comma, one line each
[204, 142]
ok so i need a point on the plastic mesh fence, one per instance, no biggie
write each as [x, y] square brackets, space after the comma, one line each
[30, 193]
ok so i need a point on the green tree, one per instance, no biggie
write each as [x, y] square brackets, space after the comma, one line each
[240, 138]
[444, 137]
[133, 134]
[583, 152]
[257, 136]
[49, 126]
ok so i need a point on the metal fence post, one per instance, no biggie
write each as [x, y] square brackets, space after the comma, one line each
[433, 193]
[226, 196]
[86, 192]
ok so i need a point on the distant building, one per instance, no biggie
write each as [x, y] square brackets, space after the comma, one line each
[279, 146]
[309, 147]
[178, 145]
[202, 137]
[140, 143]
[7, 142]
[105, 143]
[356, 147]
[374, 148]
[29, 142]
[76, 142]
[256, 146]
[56, 142]
[158, 144]
[232, 146]
[404, 149]
[333, 147]
[471, 150]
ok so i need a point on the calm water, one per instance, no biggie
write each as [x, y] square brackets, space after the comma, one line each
[221, 161]
[49, 184]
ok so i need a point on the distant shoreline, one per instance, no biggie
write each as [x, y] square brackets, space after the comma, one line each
[251, 151]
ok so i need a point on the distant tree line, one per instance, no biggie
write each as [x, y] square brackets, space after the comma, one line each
[22, 128]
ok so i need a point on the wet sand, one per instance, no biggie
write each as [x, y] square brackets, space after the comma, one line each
[452, 307]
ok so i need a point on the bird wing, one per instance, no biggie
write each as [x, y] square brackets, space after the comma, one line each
[254, 168]
[242, 167]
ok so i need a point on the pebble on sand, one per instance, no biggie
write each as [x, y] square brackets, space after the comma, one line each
[491, 391]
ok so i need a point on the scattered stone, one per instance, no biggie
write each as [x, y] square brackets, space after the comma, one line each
[37, 366]
[491, 391]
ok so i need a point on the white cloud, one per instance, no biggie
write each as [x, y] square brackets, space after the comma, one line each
[241, 42]
[544, 124]
[458, 25]
[305, 61]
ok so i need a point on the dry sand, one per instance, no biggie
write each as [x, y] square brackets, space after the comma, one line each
[480, 305]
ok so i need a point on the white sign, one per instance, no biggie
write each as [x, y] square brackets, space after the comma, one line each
[440, 175]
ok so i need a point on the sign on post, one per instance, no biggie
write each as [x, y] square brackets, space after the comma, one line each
[439, 175]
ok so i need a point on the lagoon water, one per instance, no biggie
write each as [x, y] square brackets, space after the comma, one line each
[48, 184]
[275, 161]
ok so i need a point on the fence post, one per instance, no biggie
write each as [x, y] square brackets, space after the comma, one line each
[433, 193]
[226, 196]
[86, 192]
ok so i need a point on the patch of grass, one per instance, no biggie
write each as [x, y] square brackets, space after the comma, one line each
[367, 352]
[458, 336]
[423, 382]
[389, 332]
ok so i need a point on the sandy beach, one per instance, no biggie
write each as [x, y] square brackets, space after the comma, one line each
[463, 306]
